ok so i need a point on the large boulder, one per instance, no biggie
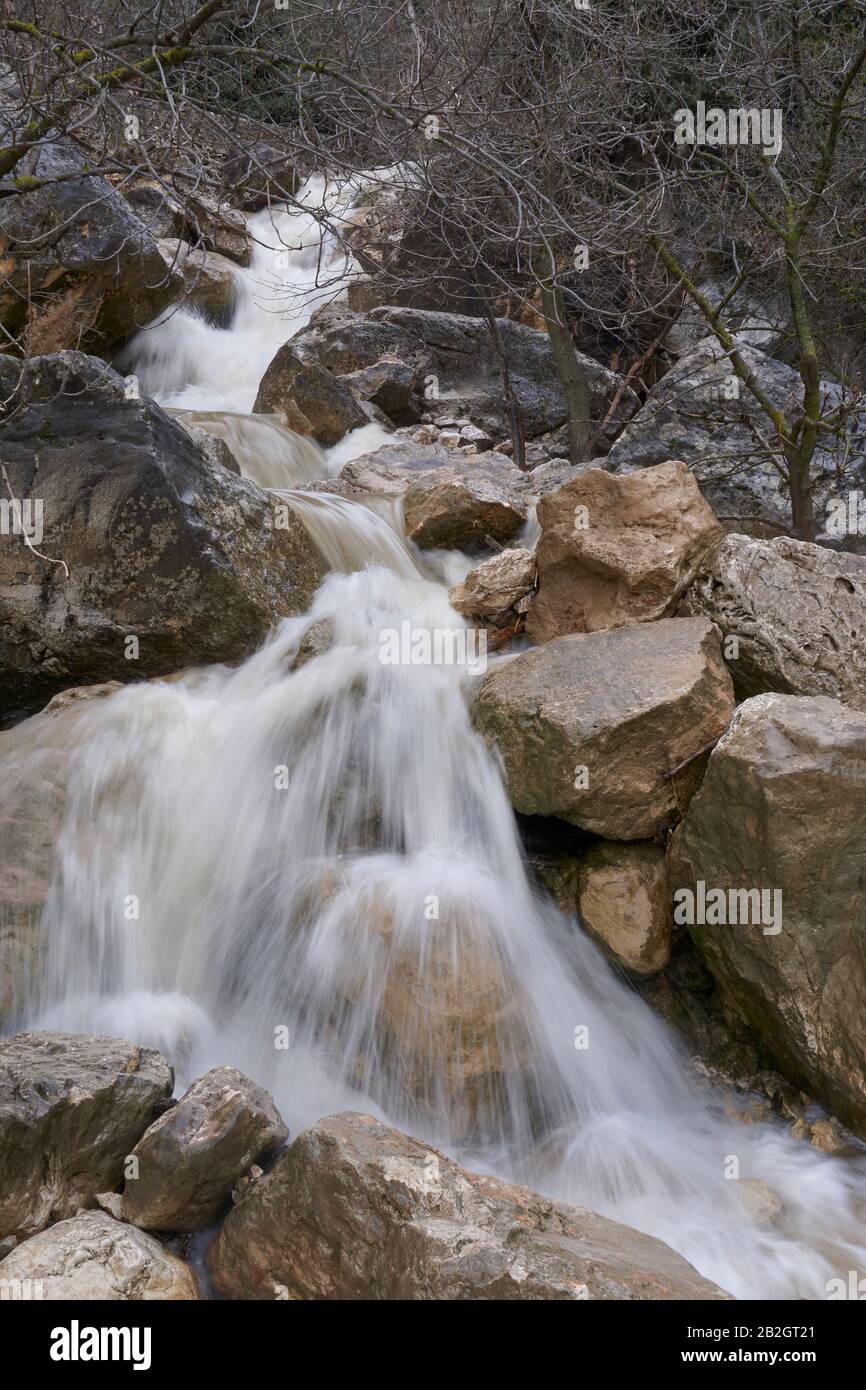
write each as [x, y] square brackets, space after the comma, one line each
[463, 360]
[357, 1210]
[72, 1107]
[455, 361]
[797, 613]
[778, 827]
[693, 414]
[312, 399]
[188, 1161]
[593, 729]
[616, 550]
[781, 812]
[625, 905]
[156, 545]
[93, 1257]
[79, 269]
[449, 500]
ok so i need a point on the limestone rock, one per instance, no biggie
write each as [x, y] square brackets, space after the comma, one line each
[355, 1209]
[79, 267]
[210, 287]
[591, 728]
[498, 590]
[192, 1156]
[189, 558]
[72, 1107]
[92, 1257]
[797, 612]
[625, 905]
[782, 809]
[312, 400]
[616, 550]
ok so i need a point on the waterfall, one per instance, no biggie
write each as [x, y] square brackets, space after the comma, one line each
[307, 867]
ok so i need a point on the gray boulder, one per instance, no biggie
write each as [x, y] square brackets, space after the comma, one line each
[156, 544]
[793, 616]
[72, 1107]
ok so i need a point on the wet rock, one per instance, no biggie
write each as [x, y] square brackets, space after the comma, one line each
[355, 1209]
[191, 561]
[313, 401]
[462, 358]
[72, 1107]
[498, 591]
[35, 759]
[157, 207]
[781, 811]
[258, 176]
[79, 268]
[797, 613]
[94, 1257]
[318, 639]
[216, 226]
[448, 501]
[391, 386]
[591, 728]
[214, 450]
[617, 550]
[625, 905]
[189, 1159]
[210, 288]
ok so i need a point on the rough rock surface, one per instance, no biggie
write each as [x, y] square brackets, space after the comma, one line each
[210, 288]
[782, 807]
[448, 500]
[311, 398]
[390, 385]
[93, 1257]
[590, 728]
[192, 1156]
[797, 611]
[456, 365]
[355, 1209]
[687, 415]
[71, 1109]
[498, 590]
[616, 550]
[625, 905]
[188, 558]
[79, 268]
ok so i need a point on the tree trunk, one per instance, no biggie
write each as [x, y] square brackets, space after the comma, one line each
[571, 376]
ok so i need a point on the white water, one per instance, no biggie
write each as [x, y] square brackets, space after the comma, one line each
[309, 906]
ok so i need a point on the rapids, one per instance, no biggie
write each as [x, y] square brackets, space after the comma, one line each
[313, 873]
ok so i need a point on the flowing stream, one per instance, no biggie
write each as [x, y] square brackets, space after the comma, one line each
[331, 892]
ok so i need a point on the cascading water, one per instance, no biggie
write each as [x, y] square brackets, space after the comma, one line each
[331, 893]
